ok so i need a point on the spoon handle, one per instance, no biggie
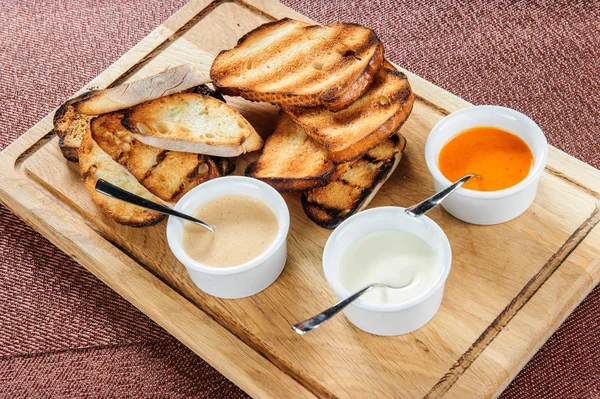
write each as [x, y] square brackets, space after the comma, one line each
[310, 324]
[106, 188]
[425, 206]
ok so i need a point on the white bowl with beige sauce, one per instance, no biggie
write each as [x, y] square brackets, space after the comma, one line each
[248, 250]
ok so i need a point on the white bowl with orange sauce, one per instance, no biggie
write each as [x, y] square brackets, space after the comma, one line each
[488, 207]
[254, 274]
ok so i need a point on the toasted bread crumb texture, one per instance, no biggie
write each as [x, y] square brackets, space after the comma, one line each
[293, 62]
[70, 126]
[96, 164]
[328, 206]
[166, 174]
[376, 115]
[290, 154]
[172, 80]
[192, 118]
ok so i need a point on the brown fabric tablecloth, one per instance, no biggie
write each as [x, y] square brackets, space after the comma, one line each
[63, 333]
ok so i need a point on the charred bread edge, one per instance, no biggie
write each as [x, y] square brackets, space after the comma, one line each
[70, 153]
[352, 93]
[294, 184]
[225, 165]
[366, 197]
[371, 140]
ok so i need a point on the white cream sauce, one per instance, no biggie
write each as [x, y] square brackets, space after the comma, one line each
[391, 257]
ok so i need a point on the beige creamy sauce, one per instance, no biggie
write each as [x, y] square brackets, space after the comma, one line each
[245, 228]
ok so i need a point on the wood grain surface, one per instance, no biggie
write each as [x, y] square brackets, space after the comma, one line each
[510, 286]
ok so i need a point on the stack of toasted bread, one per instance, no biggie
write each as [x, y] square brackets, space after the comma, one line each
[157, 137]
[342, 105]
[336, 139]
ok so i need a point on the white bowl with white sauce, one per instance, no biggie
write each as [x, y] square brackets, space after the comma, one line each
[237, 280]
[385, 245]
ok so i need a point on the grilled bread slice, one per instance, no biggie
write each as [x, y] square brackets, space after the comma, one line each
[289, 62]
[72, 118]
[192, 122]
[167, 174]
[291, 161]
[94, 164]
[172, 80]
[70, 126]
[330, 205]
[375, 116]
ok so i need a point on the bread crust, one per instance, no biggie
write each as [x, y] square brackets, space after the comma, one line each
[173, 80]
[326, 127]
[291, 161]
[374, 169]
[152, 124]
[94, 163]
[361, 84]
[296, 184]
[335, 97]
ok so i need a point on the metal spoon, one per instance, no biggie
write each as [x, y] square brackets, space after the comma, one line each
[106, 188]
[310, 324]
[425, 206]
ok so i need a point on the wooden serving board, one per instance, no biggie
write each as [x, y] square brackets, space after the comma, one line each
[510, 287]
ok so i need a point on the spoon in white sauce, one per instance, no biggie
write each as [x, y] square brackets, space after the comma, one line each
[415, 211]
[310, 324]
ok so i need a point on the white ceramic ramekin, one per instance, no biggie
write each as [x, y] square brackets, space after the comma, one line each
[490, 207]
[248, 278]
[388, 319]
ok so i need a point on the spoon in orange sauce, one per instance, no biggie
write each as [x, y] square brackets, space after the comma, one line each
[499, 157]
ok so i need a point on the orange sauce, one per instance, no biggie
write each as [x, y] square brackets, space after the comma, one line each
[501, 158]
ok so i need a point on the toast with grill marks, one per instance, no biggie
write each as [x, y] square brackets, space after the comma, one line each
[167, 174]
[330, 205]
[291, 161]
[71, 120]
[192, 122]
[375, 116]
[172, 80]
[288, 62]
[96, 164]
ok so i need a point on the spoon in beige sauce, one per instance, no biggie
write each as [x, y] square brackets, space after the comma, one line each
[109, 189]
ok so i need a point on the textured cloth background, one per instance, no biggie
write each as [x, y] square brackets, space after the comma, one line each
[63, 333]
